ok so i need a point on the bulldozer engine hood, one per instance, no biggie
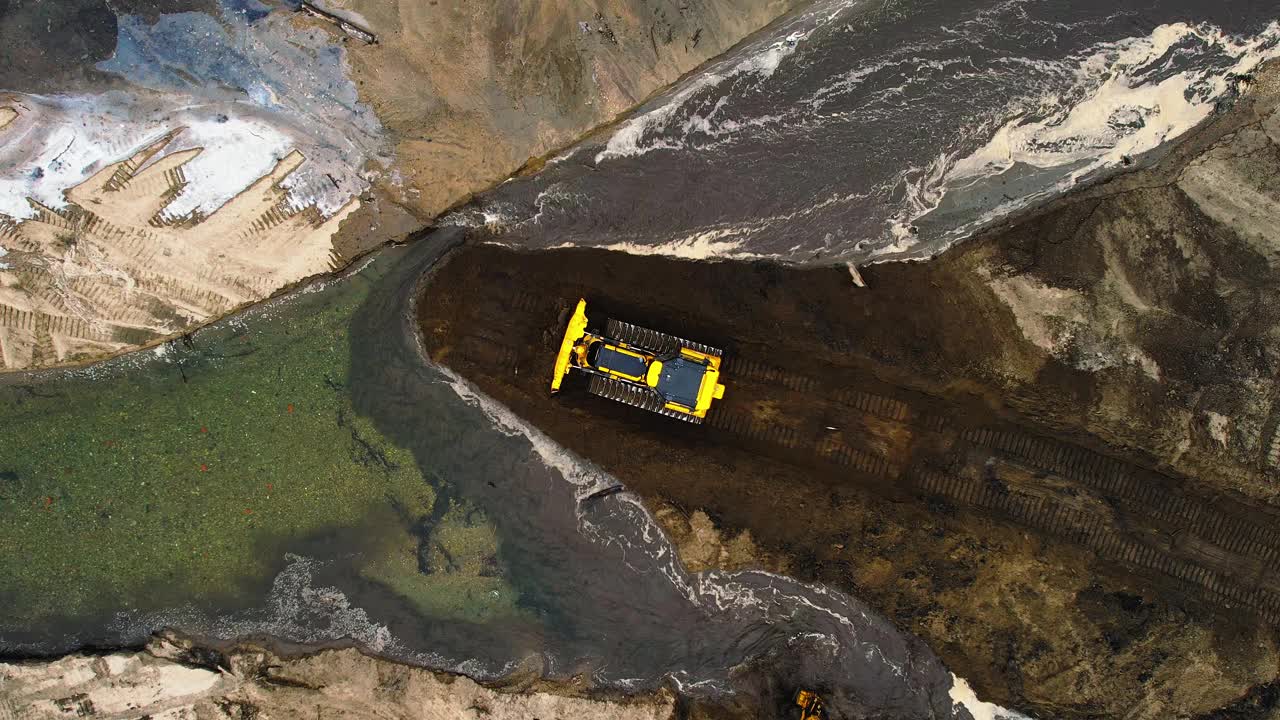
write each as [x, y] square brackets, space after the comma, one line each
[679, 381]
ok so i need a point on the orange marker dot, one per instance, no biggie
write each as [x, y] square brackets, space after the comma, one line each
[48, 501]
[248, 511]
[204, 429]
[204, 468]
[290, 408]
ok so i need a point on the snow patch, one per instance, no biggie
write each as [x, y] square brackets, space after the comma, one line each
[234, 154]
[1219, 427]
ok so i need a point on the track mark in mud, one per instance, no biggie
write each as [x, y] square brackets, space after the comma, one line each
[852, 427]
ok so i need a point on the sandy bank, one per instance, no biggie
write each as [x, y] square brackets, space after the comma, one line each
[176, 680]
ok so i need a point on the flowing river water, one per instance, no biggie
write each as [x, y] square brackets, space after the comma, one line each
[863, 131]
[851, 132]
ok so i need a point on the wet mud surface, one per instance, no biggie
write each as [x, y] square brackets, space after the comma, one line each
[904, 442]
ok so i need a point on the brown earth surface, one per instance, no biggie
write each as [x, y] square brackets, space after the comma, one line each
[1049, 452]
[471, 92]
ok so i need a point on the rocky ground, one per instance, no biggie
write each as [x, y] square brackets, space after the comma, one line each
[462, 96]
[176, 679]
[1048, 452]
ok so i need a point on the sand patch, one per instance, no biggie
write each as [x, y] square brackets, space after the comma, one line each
[115, 269]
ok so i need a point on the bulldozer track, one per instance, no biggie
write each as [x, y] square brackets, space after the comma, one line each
[877, 405]
[738, 367]
[746, 425]
[635, 396]
[1096, 532]
[1238, 565]
[652, 340]
[1140, 487]
[1152, 525]
[862, 460]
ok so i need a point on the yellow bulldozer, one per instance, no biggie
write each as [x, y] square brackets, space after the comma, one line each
[647, 369]
[810, 704]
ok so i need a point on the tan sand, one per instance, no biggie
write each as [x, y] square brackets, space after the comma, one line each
[109, 272]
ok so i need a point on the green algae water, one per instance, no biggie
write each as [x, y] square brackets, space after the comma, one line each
[184, 475]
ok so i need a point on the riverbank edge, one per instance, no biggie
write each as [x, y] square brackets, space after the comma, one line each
[260, 664]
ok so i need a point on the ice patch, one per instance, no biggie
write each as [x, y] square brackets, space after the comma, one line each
[1127, 98]
[3, 264]
[234, 154]
[962, 696]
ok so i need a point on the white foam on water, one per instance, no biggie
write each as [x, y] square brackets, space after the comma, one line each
[585, 477]
[706, 245]
[642, 134]
[762, 596]
[295, 610]
[1126, 99]
[962, 696]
